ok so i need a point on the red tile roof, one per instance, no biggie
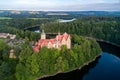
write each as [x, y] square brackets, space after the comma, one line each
[44, 42]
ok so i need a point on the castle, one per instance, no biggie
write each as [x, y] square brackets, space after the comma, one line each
[56, 42]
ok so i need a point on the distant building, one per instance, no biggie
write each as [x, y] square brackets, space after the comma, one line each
[6, 35]
[56, 42]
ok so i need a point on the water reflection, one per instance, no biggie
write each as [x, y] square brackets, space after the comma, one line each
[110, 48]
[107, 68]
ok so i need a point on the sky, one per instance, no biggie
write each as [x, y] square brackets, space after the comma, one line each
[61, 5]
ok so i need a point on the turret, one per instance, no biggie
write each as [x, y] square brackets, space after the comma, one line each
[43, 35]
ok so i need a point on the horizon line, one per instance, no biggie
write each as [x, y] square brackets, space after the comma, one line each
[57, 10]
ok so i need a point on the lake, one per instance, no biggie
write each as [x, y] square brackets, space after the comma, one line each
[69, 20]
[105, 67]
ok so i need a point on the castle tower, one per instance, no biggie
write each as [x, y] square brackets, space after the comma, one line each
[43, 35]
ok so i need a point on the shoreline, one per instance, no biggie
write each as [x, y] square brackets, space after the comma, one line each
[105, 41]
[87, 63]
[108, 42]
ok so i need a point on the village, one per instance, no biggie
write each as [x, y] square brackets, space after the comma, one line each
[11, 40]
[7, 35]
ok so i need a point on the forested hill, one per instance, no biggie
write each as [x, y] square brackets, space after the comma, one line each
[30, 65]
[49, 14]
[106, 28]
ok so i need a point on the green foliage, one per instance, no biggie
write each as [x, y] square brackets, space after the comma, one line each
[20, 74]
[2, 45]
[8, 69]
[4, 50]
[22, 23]
[32, 36]
[106, 28]
[52, 61]
[30, 65]
[5, 71]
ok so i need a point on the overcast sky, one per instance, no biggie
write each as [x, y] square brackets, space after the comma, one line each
[48, 5]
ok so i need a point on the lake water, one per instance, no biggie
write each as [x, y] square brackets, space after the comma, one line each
[63, 20]
[37, 31]
[105, 67]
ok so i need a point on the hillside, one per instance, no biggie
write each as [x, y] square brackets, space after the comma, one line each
[38, 14]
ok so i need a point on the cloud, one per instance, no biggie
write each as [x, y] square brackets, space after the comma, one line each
[59, 4]
[29, 4]
[96, 1]
[95, 7]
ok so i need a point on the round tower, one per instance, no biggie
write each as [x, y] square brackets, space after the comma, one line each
[43, 35]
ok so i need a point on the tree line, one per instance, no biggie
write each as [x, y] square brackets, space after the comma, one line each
[32, 36]
[106, 28]
[103, 27]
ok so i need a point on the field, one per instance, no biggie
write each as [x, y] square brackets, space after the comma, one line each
[5, 18]
[38, 18]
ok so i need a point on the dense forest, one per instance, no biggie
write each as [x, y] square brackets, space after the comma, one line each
[106, 28]
[30, 65]
[19, 27]
[22, 23]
